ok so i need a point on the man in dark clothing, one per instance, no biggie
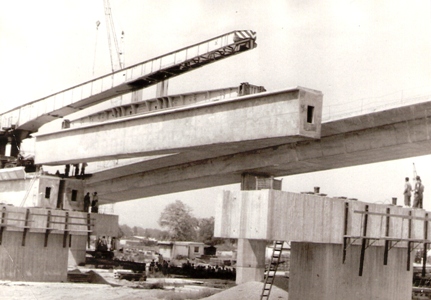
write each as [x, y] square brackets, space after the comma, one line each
[66, 170]
[95, 203]
[419, 193]
[83, 168]
[76, 166]
[86, 202]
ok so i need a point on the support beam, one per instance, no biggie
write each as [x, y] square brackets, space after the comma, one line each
[400, 140]
[363, 242]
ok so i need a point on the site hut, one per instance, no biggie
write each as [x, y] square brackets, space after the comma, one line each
[173, 250]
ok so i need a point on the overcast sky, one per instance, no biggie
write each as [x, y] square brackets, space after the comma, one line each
[356, 52]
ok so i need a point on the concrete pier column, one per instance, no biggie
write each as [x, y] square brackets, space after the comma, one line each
[250, 265]
[317, 272]
[251, 252]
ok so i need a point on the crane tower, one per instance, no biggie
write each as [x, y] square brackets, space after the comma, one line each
[110, 30]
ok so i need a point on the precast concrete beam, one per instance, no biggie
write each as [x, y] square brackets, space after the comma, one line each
[216, 128]
[387, 142]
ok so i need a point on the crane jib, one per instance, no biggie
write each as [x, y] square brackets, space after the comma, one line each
[31, 116]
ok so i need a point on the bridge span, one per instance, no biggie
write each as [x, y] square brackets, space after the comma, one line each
[390, 134]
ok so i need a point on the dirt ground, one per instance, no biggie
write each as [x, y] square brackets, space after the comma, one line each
[108, 288]
[66, 291]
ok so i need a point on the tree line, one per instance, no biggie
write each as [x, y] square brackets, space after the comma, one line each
[178, 224]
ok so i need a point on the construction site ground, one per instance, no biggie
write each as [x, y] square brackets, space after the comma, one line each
[103, 285]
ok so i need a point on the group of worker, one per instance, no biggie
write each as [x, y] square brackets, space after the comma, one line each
[76, 171]
[418, 193]
[94, 203]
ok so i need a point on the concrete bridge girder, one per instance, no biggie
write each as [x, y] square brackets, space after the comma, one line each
[218, 128]
[388, 142]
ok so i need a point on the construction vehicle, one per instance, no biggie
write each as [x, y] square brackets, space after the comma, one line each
[101, 249]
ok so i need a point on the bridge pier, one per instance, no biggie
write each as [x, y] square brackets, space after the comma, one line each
[321, 231]
[317, 272]
[251, 252]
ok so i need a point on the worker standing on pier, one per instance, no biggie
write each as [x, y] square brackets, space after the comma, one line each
[407, 193]
[419, 191]
[86, 202]
[95, 203]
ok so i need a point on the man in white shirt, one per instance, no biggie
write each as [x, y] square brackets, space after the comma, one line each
[407, 192]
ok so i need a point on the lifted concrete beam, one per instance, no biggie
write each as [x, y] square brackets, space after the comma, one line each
[216, 128]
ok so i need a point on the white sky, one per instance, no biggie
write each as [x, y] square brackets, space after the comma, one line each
[355, 52]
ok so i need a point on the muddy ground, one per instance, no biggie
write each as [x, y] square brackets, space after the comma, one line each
[105, 286]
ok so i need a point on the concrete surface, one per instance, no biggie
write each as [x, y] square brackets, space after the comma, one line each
[215, 128]
[317, 273]
[285, 216]
[399, 133]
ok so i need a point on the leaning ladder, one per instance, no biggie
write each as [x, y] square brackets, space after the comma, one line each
[270, 274]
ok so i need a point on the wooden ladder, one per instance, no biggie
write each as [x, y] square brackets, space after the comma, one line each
[270, 274]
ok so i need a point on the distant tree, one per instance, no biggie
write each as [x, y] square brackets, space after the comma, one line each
[156, 234]
[125, 230]
[206, 230]
[179, 221]
[139, 231]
